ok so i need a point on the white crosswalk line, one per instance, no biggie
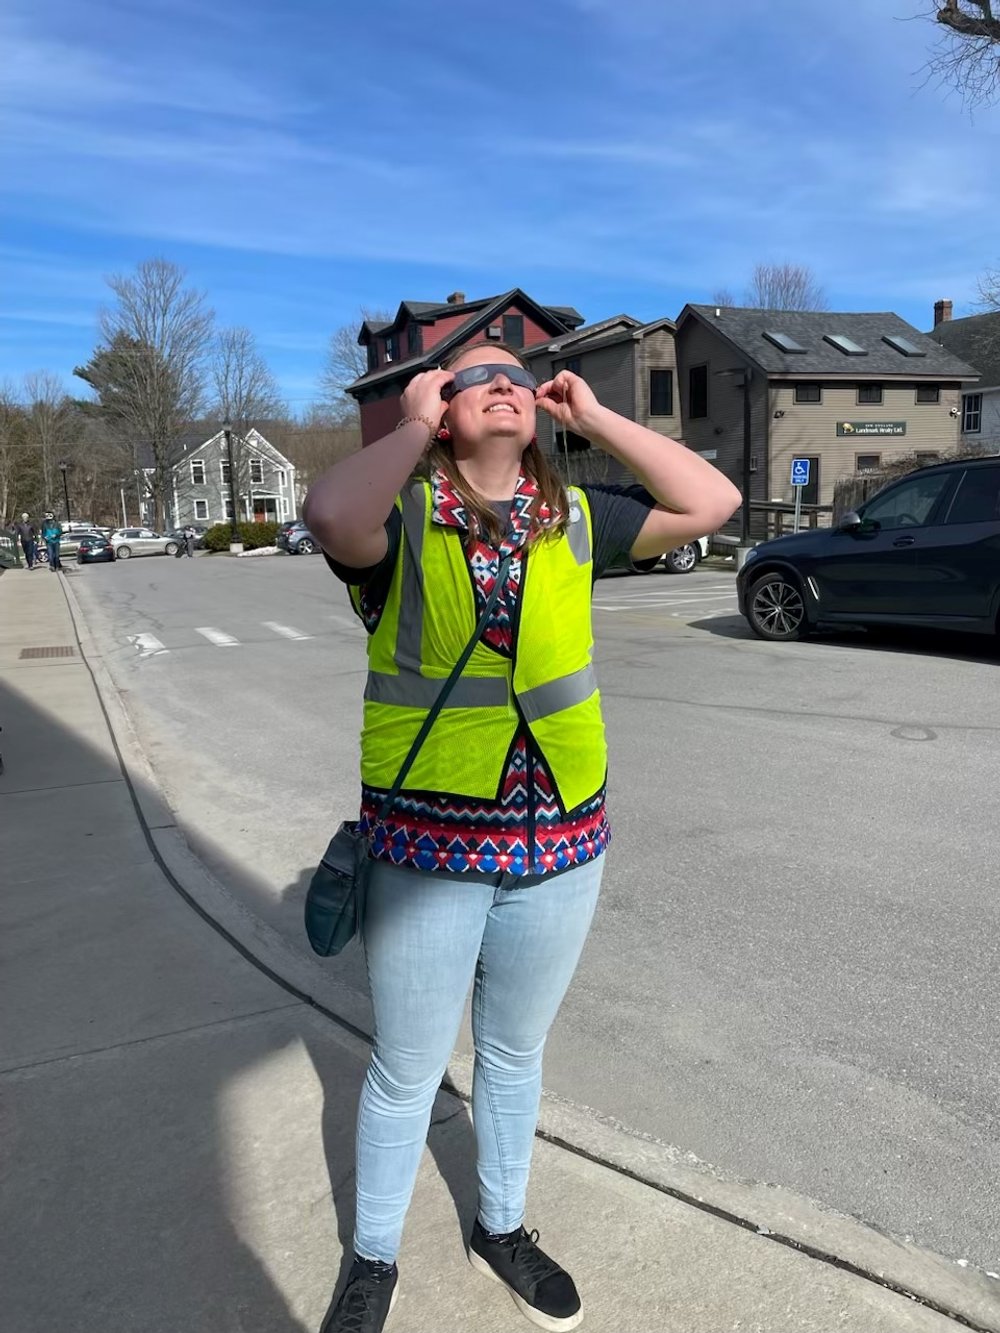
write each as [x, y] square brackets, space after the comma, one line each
[217, 637]
[148, 645]
[286, 631]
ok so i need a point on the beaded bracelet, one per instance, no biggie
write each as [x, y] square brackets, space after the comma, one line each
[426, 421]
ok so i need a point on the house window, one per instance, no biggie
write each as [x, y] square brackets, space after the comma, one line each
[808, 393]
[573, 365]
[698, 391]
[413, 340]
[224, 470]
[972, 413]
[228, 507]
[867, 463]
[870, 394]
[373, 356]
[197, 472]
[391, 348]
[256, 471]
[281, 480]
[201, 509]
[568, 442]
[513, 330]
[928, 393]
[661, 392]
[927, 459]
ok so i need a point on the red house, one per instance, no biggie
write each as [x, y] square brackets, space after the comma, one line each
[424, 332]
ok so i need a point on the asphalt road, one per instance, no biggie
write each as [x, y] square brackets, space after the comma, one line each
[795, 970]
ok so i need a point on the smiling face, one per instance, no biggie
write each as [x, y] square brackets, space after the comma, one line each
[488, 414]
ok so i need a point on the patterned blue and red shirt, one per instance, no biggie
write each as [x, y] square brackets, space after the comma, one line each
[523, 832]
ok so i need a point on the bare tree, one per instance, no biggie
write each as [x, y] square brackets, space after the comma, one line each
[785, 287]
[316, 441]
[346, 360]
[247, 396]
[989, 290]
[149, 371]
[48, 421]
[968, 54]
[20, 478]
[722, 296]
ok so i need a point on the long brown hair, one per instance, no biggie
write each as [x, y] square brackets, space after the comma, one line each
[551, 491]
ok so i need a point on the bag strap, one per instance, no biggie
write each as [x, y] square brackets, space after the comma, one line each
[446, 689]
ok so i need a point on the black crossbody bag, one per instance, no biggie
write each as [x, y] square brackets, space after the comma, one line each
[335, 902]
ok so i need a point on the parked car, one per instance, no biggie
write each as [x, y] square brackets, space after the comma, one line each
[923, 551]
[94, 547]
[128, 542]
[69, 542]
[681, 560]
[297, 539]
[79, 525]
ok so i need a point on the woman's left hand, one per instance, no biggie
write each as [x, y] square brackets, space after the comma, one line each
[570, 401]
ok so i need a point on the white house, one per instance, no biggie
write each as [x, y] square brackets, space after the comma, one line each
[200, 491]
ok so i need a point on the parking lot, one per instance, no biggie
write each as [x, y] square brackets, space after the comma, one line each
[794, 972]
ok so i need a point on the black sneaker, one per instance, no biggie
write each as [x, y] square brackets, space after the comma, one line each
[366, 1301]
[544, 1292]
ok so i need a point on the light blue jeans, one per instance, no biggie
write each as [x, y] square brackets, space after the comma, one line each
[427, 934]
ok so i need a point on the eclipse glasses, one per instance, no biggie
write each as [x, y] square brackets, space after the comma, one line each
[472, 375]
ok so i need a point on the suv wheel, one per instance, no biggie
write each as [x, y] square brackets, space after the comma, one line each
[171, 548]
[682, 559]
[776, 610]
[305, 547]
[123, 552]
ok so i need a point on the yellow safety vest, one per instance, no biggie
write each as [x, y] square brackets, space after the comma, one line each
[549, 686]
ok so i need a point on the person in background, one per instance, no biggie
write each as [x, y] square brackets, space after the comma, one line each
[51, 532]
[27, 535]
[190, 537]
[487, 868]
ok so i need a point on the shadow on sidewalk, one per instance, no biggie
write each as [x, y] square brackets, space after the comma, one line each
[130, 1201]
[454, 1154]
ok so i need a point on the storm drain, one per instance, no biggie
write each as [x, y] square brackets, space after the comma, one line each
[63, 650]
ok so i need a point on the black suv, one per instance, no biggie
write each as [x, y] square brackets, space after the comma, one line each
[924, 551]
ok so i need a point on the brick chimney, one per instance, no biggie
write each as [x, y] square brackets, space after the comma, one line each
[458, 298]
[942, 312]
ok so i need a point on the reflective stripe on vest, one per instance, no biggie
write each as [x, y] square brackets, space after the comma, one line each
[410, 689]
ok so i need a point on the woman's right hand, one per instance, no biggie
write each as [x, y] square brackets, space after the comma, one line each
[422, 396]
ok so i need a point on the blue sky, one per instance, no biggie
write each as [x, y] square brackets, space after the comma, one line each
[304, 159]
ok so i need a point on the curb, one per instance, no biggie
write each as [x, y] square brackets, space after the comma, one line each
[964, 1294]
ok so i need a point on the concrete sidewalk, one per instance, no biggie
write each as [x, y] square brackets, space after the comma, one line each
[178, 1126]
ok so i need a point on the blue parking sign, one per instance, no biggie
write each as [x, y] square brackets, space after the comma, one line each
[800, 471]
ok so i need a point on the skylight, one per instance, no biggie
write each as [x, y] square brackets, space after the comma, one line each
[844, 344]
[783, 342]
[903, 345]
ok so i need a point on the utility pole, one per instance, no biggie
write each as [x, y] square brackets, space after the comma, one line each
[235, 545]
[63, 468]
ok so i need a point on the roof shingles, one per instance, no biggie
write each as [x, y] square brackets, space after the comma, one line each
[745, 328]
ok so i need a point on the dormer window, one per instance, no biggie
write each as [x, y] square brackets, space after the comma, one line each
[373, 355]
[391, 348]
[413, 339]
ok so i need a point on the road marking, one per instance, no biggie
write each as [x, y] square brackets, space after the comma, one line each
[147, 644]
[286, 631]
[217, 637]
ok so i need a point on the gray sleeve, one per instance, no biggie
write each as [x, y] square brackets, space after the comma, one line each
[617, 514]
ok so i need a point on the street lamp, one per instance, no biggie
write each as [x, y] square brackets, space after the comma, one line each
[121, 493]
[63, 468]
[235, 545]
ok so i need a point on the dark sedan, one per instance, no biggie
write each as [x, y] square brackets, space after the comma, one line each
[94, 548]
[297, 540]
[925, 552]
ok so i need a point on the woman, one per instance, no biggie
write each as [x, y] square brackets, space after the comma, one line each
[489, 865]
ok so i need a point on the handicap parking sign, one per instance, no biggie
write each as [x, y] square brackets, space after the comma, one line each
[800, 471]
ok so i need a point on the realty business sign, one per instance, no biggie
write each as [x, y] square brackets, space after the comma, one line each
[871, 427]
